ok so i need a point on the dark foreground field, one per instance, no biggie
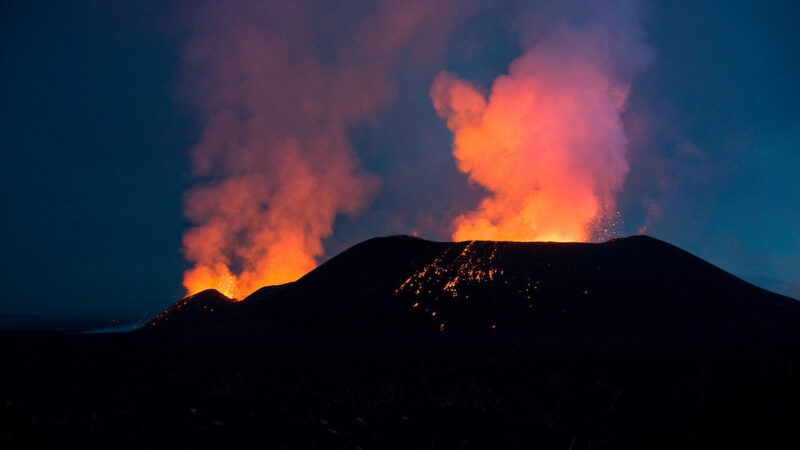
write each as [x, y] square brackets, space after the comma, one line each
[116, 391]
[628, 344]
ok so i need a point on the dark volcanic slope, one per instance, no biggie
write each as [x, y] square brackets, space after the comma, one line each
[194, 310]
[205, 309]
[632, 343]
[399, 285]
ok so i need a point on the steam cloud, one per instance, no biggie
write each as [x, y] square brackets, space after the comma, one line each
[548, 143]
[275, 163]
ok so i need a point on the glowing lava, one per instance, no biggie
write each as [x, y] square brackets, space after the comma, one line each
[266, 263]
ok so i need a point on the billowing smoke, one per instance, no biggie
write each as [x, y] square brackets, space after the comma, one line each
[547, 142]
[278, 86]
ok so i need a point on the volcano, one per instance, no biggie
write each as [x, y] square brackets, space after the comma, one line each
[629, 291]
[403, 343]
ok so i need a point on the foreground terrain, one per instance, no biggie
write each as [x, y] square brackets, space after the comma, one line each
[404, 343]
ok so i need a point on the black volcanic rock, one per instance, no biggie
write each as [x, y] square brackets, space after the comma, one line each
[207, 309]
[622, 289]
[265, 293]
[203, 308]
[354, 292]
[632, 343]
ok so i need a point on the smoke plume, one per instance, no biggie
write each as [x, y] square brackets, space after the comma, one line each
[278, 85]
[547, 142]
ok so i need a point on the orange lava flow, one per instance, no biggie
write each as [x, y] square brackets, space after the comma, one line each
[547, 143]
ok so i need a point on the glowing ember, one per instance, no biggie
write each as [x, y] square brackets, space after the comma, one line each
[219, 278]
[461, 266]
[465, 267]
[493, 285]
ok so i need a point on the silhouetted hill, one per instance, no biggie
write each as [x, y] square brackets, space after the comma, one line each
[205, 309]
[265, 293]
[632, 343]
[196, 310]
[636, 286]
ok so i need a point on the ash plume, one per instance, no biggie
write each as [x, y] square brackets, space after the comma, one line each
[278, 85]
[547, 141]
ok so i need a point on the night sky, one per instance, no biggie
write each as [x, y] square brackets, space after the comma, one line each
[100, 112]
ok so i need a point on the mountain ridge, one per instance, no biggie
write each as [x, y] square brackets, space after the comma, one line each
[543, 344]
[403, 285]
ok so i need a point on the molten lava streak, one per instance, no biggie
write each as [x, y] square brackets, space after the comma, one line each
[547, 144]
